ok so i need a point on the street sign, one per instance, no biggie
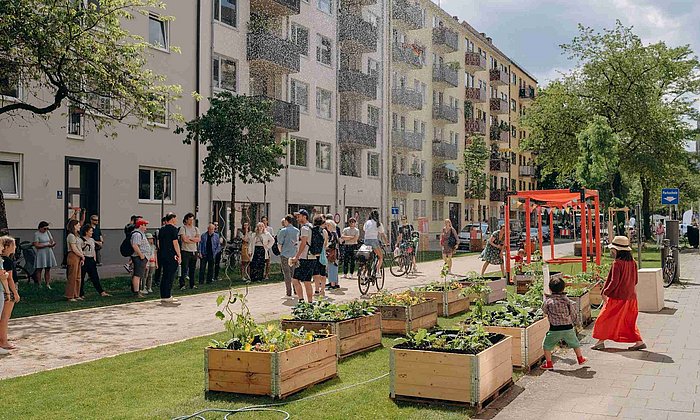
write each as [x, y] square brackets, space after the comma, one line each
[395, 211]
[670, 196]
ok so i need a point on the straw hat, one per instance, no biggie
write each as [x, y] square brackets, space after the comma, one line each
[620, 243]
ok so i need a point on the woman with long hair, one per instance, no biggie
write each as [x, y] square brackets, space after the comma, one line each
[45, 258]
[449, 240]
[259, 248]
[90, 264]
[493, 252]
[374, 234]
[74, 261]
[332, 253]
[10, 295]
[244, 234]
[617, 320]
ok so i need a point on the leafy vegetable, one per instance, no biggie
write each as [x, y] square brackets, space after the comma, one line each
[438, 287]
[576, 291]
[324, 310]
[407, 298]
[518, 311]
[471, 340]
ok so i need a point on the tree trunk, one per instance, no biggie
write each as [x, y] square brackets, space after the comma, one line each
[233, 203]
[646, 210]
[4, 228]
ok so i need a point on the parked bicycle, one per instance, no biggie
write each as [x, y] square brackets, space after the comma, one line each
[24, 260]
[231, 256]
[402, 261]
[670, 265]
[368, 270]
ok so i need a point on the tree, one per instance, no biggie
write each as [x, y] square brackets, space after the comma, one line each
[238, 134]
[598, 155]
[475, 159]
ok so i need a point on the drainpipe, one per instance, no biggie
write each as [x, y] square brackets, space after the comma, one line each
[196, 111]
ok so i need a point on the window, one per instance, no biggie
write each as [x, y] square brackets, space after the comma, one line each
[423, 210]
[300, 37]
[226, 11]
[372, 164]
[10, 175]
[297, 151]
[323, 103]
[100, 104]
[416, 209]
[441, 210]
[324, 50]
[515, 79]
[75, 121]
[152, 183]
[224, 74]
[159, 115]
[435, 211]
[300, 95]
[325, 6]
[323, 156]
[350, 163]
[9, 85]
[372, 67]
[158, 32]
[373, 116]
[513, 105]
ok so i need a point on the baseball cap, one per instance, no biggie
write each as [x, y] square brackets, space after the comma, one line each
[141, 222]
[302, 211]
[149, 236]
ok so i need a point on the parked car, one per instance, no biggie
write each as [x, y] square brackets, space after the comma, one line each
[465, 234]
[534, 234]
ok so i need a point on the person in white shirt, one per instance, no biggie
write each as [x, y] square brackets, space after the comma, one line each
[259, 248]
[374, 234]
[190, 237]
[271, 231]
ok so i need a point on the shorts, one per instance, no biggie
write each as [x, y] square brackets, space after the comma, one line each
[320, 269]
[553, 338]
[374, 243]
[139, 266]
[305, 270]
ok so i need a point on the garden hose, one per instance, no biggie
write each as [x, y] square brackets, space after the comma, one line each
[269, 407]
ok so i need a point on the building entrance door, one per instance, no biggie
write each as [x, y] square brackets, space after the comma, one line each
[82, 195]
[455, 213]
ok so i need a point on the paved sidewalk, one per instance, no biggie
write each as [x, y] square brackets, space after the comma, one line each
[659, 383]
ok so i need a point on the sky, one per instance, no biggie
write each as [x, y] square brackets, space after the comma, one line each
[530, 31]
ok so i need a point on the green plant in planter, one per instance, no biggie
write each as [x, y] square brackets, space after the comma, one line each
[576, 291]
[473, 339]
[478, 286]
[439, 287]
[324, 310]
[385, 298]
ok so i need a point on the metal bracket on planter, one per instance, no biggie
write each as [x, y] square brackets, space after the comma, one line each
[474, 380]
[392, 373]
[275, 385]
[206, 370]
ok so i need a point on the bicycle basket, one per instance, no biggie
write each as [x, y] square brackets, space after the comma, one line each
[364, 253]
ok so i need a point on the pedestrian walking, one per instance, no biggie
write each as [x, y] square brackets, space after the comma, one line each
[449, 241]
[222, 247]
[617, 320]
[209, 248]
[74, 262]
[156, 240]
[45, 258]
[169, 257]
[259, 247]
[374, 234]
[332, 252]
[304, 262]
[87, 244]
[493, 252]
[151, 265]
[98, 237]
[10, 297]
[189, 237]
[562, 314]
[245, 235]
[271, 231]
[349, 237]
[287, 240]
[660, 233]
[139, 260]
[319, 243]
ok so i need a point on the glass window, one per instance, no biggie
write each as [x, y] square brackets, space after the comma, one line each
[10, 175]
[513, 105]
[373, 116]
[324, 50]
[300, 95]
[325, 6]
[226, 11]
[300, 37]
[75, 121]
[159, 113]
[9, 85]
[158, 32]
[323, 156]
[435, 211]
[323, 103]
[373, 164]
[152, 183]
[350, 163]
[416, 209]
[224, 74]
[423, 210]
[298, 151]
[372, 67]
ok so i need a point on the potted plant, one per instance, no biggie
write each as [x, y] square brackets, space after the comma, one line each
[593, 281]
[357, 324]
[447, 294]
[532, 273]
[495, 286]
[265, 359]
[582, 297]
[467, 366]
[405, 312]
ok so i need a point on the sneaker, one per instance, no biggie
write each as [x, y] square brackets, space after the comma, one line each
[337, 286]
[581, 360]
[140, 295]
[183, 288]
[48, 286]
[194, 287]
[547, 366]
[99, 264]
[144, 292]
[150, 290]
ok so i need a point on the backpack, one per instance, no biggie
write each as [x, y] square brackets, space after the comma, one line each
[451, 240]
[275, 247]
[316, 246]
[125, 248]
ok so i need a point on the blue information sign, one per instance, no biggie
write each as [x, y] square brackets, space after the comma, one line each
[395, 210]
[670, 196]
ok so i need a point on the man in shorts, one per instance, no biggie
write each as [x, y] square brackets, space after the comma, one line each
[141, 247]
[303, 261]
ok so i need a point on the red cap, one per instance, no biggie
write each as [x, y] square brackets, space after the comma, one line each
[141, 222]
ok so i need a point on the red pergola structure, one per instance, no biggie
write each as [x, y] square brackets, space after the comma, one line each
[558, 199]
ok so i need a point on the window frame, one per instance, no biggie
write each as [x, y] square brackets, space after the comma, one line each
[166, 32]
[330, 6]
[16, 160]
[293, 140]
[152, 194]
[319, 45]
[319, 146]
[81, 134]
[166, 115]
[216, 14]
[216, 87]
[293, 94]
[319, 90]
[293, 36]
[18, 86]
[373, 155]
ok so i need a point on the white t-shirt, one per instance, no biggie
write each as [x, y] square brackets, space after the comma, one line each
[371, 229]
[306, 233]
[190, 232]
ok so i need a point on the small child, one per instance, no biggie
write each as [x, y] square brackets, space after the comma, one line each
[562, 314]
[519, 261]
[151, 266]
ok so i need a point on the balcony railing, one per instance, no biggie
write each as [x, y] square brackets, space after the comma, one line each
[407, 97]
[474, 61]
[446, 74]
[407, 140]
[498, 77]
[358, 84]
[407, 183]
[499, 135]
[406, 54]
[499, 165]
[527, 94]
[276, 53]
[444, 150]
[356, 134]
[498, 195]
[276, 7]
[409, 14]
[472, 126]
[356, 35]
[527, 170]
[442, 186]
[284, 114]
[446, 113]
[359, 2]
[476, 95]
[499, 106]
[446, 38]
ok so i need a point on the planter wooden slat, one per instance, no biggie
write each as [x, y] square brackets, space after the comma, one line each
[449, 301]
[527, 342]
[277, 374]
[583, 303]
[497, 286]
[523, 281]
[595, 292]
[354, 335]
[404, 319]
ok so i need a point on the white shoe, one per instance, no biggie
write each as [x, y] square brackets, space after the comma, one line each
[150, 290]
[4, 351]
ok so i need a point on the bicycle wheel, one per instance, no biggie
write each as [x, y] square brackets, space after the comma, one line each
[363, 279]
[397, 267]
[380, 279]
[669, 271]
[22, 274]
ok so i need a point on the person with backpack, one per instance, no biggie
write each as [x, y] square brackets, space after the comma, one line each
[374, 234]
[287, 239]
[319, 243]
[332, 255]
[126, 244]
[303, 262]
[141, 248]
[449, 240]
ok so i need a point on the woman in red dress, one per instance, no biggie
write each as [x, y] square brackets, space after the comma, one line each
[618, 318]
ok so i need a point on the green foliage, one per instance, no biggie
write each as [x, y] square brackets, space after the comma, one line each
[575, 291]
[437, 286]
[518, 311]
[598, 153]
[475, 156]
[480, 290]
[83, 56]
[324, 310]
[473, 340]
[384, 298]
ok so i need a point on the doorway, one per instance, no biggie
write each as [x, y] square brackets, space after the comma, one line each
[82, 180]
[455, 212]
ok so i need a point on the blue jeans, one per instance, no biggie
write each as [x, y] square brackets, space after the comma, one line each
[332, 273]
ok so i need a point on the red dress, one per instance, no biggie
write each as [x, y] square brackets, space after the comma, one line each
[617, 320]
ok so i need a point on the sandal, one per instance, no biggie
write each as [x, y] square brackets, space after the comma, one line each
[599, 346]
[9, 347]
[637, 347]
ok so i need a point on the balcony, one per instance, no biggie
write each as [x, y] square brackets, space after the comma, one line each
[359, 2]
[499, 106]
[498, 77]
[446, 39]
[475, 127]
[499, 135]
[442, 186]
[274, 54]
[445, 113]
[356, 35]
[442, 150]
[446, 75]
[284, 114]
[476, 95]
[406, 54]
[357, 85]
[526, 170]
[474, 62]
[527, 94]
[498, 195]
[275, 7]
[355, 134]
[499, 165]
[408, 98]
[409, 15]
[407, 183]
[407, 140]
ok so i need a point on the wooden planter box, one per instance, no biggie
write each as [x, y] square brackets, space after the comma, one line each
[462, 378]
[595, 293]
[449, 301]
[498, 288]
[354, 335]
[523, 281]
[526, 343]
[277, 374]
[404, 319]
[583, 303]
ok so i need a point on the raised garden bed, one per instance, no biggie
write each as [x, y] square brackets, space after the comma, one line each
[583, 303]
[524, 281]
[449, 299]
[526, 343]
[277, 374]
[405, 312]
[495, 283]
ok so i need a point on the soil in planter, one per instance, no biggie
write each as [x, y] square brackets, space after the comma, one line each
[493, 338]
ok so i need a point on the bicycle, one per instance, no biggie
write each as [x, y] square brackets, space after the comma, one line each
[402, 263]
[670, 265]
[368, 272]
[231, 257]
[23, 249]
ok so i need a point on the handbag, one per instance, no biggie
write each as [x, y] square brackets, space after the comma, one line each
[276, 248]
[322, 259]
